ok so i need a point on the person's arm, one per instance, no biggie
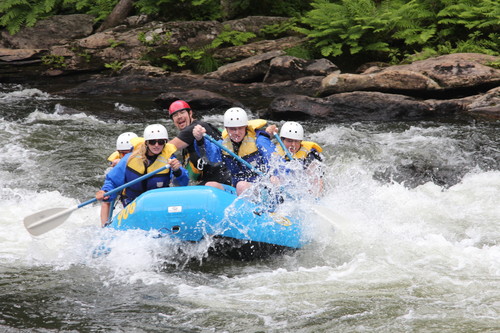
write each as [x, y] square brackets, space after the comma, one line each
[313, 155]
[185, 137]
[114, 158]
[212, 152]
[266, 148]
[271, 129]
[179, 174]
[181, 177]
[178, 143]
[105, 208]
[114, 178]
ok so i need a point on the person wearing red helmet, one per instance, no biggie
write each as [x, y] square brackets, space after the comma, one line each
[181, 114]
[200, 170]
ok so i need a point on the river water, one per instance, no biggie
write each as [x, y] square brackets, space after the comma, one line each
[412, 243]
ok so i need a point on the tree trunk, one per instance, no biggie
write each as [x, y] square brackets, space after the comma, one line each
[117, 15]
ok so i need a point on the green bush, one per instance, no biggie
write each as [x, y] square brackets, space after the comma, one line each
[15, 14]
[394, 30]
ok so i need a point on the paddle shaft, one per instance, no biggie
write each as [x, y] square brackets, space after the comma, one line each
[287, 152]
[53, 217]
[239, 159]
[124, 186]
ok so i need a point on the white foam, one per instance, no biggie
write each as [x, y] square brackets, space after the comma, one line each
[24, 94]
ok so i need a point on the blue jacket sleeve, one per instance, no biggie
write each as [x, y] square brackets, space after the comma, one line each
[213, 153]
[266, 148]
[115, 177]
[183, 179]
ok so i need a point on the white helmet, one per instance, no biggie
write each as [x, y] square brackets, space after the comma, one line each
[155, 131]
[292, 130]
[235, 117]
[123, 141]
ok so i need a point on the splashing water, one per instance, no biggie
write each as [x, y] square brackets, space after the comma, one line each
[411, 242]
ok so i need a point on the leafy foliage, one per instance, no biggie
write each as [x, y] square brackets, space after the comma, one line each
[232, 37]
[98, 8]
[346, 27]
[115, 66]
[279, 29]
[201, 60]
[301, 51]
[396, 29]
[54, 61]
[388, 30]
[286, 8]
[18, 13]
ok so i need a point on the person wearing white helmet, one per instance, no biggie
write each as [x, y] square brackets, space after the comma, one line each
[245, 139]
[150, 154]
[200, 172]
[307, 152]
[123, 147]
[292, 136]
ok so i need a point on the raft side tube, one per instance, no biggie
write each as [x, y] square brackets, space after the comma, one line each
[183, 212]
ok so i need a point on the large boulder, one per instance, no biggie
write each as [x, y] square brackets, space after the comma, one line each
[198, 99]
[240, 52]
[459, 70]
[56, 30]
[385, 81]
[249, 70]
[354, 106]
[445, 73]
[272, 67]
[486, 105]
[286, 68]
[20, 55]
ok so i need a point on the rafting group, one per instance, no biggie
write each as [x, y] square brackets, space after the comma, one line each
[231, 160]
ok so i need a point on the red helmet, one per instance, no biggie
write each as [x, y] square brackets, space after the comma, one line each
[178, 106]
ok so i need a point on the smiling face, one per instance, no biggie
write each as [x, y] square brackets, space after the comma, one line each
[292, 145]
[236, 134]
[155, 146]
[182, 119]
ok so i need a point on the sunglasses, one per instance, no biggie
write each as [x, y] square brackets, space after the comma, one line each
[160, 142]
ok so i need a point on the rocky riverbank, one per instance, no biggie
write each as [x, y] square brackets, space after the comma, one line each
[67, 48]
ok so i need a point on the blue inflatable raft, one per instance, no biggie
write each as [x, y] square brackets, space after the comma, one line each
[240, 229]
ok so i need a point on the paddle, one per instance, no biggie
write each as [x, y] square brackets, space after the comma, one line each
[239, 159]
[48, 219]
[287, 152]
[321, 211]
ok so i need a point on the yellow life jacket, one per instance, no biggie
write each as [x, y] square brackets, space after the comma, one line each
[136, 141]
[193, 171]
[249, 144]
[114, 156]
[136, 163]
[304, 150]
[136, 168]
